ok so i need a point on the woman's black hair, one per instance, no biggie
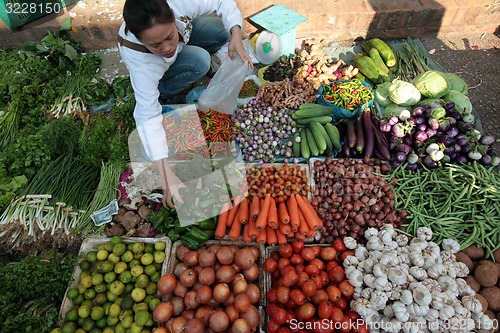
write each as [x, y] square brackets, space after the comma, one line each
[140, 15]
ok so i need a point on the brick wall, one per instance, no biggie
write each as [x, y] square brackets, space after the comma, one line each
[98, 22]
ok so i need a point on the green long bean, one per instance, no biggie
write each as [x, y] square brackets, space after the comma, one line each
[459, 202]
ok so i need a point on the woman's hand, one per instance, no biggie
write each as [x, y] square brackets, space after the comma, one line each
[236, 45]
[171, 184]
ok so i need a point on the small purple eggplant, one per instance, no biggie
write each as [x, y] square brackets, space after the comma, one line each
[444, 125]
[429, 163]
[448, 141]
[464, 127]
[418, 112]
[486, 160]
[433, 123]
[412, 167]
[420, 120]
[395, 164]
[461, 140]
[422, 127]
[453, 132]
[398, 130]
[393, 120]
[403, 148]
[461, 160]
[400, 157]
[421, 136]
[385, 127]
[449, 106]
[487, 140]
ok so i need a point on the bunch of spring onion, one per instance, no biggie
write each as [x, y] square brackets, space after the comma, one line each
[262, 131]
[435, 134]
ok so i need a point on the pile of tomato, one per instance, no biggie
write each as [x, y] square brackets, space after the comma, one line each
[309, 290]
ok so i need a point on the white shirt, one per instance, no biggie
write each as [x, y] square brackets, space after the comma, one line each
[146, 69]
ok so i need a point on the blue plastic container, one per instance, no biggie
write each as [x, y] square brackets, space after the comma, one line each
[341, 113]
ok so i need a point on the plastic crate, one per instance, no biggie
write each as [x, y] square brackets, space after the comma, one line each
[16, 13]
[91, 243]
[260, 262]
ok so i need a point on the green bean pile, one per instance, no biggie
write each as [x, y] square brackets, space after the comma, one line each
[458, 202]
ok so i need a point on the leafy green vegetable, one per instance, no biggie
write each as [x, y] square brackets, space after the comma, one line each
[33, 291]
[122, 88]
[462, 102]
[457, 83]
[62, 135]
[431, 84]
[96, 92]
[403, 93]
[123, 112]
[103, 142]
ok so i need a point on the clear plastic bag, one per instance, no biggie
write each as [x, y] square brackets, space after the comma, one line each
[222, 91]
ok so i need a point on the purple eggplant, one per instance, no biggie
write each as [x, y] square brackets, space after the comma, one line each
[412, 121]
[385, 127]
[400, 157]
[395, 164]
[464, 127]
[412, 167]
[444, 125]
[429, 163]
[420, 120]
[449, 151]
[487, 140]
[403, 148]
[453, 132]
[449, 106]
[422, 127]
[458, 148]
[398, 130]
[455, 114]
[461, 140]
[461, 159]
[393, 120]
[486, 160]
[421, 136]
[418, 112]
[433, 123]
[448, 141]
[430, 132]
[369, 135]
[465, 148]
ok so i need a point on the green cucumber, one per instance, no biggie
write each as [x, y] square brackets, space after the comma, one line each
[296, 145]
[321, 120]
[310, 110]
[304, 146]
[313, 147]
[316, 130]
[368, 68]
[386, 52]
[375, 55]
[333, 133]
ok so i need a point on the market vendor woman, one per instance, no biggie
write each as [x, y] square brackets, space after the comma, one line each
[166, 46]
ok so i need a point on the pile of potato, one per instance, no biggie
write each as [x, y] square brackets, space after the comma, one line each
[484, 278]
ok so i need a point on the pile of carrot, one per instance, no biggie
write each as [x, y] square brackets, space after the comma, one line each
[267, 221]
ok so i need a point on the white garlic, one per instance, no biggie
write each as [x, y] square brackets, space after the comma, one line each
[424, 233]
[378, 299]
[366, 293]
[421, 295]
[361, 253]
[375, 255]
[432, 315]
[374, 243]
[451, 269]
[485, 323]
[418, 273]
[472, 304]
[460, 309]
[406, 297]
[355, 278]
[380, 283]
[450, 245]
[461, 269]
[448, 284]
[357, 292]
[395, 293]
[446, 312]
[351, 261]
[369, 280]
[417, 259]
[448, 256]
[397, 276]
[372, 317]
[436, 271]
[371, 232]
[431, 284]
[464, 288]
[379, 270]
[393, 245]
[350, 243]
[429, 261]
[401, 239]
[417, 244]
[402, 316]
[388, 311]
[386, 235]
[412, 327]
[362, 306]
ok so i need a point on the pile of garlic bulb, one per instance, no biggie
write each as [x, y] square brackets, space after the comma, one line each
[412, 286]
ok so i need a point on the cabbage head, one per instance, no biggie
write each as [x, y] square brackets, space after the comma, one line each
[393, 110]
[457, 83]
[403, 93]
[432, 84]
[462, 102]
[382, 94]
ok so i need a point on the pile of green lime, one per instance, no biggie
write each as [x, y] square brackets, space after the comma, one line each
[116, 292]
